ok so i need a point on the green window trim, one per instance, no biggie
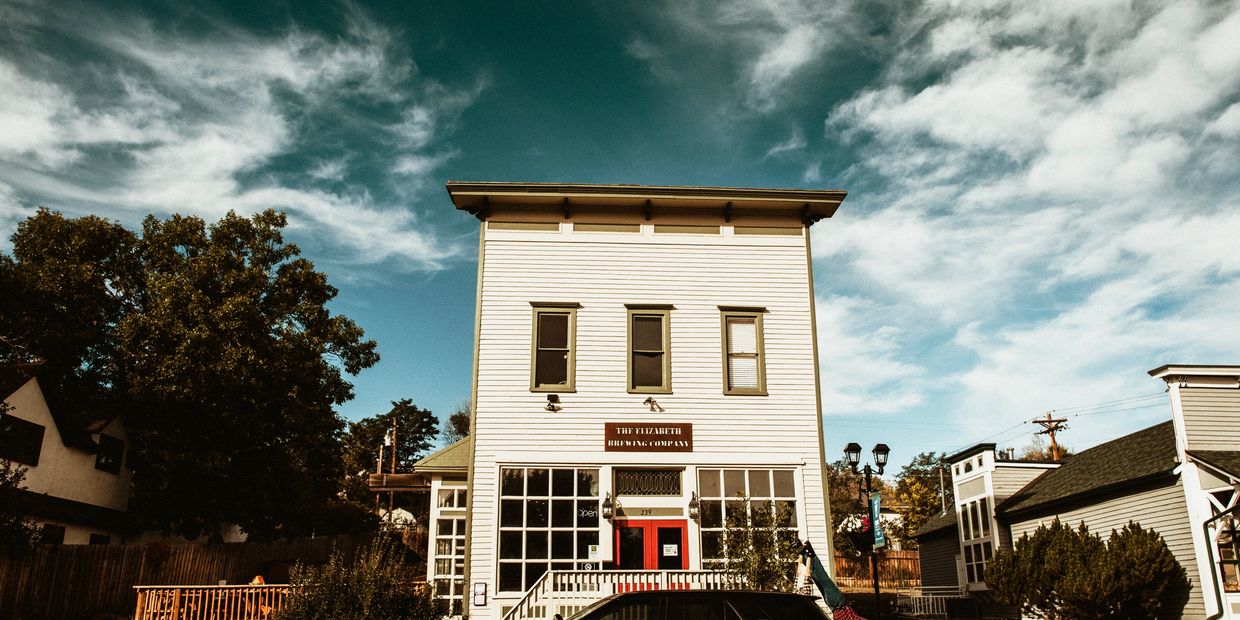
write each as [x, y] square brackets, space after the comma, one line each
[729, 320]
[664, 352]
[547, 343]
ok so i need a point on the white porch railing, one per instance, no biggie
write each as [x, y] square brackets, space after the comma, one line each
[567, 592]
[927, 601]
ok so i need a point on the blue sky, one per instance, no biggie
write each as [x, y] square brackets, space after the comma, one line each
[1043, 196]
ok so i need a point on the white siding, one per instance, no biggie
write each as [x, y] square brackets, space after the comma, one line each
[1160, 509]
[1211, 417]
[603, 272]
[1006, 480]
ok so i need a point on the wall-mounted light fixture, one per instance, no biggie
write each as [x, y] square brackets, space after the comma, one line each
[553, 402]
[608, 508]
[653, 404]
[695, 507]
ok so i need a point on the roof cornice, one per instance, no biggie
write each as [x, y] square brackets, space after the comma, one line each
[478, 197]
[1167, 371]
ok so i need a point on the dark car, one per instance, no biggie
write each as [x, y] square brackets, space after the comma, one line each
[703, 605]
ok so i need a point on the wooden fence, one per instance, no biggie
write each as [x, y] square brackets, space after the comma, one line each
[896, 569]
[73, 582]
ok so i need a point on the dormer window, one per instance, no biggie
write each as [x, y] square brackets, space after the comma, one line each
[110, 455]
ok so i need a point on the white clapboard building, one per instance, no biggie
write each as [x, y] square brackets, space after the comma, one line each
[643, 356]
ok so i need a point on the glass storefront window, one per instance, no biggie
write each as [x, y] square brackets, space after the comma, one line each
[549, 518]
[721, 492]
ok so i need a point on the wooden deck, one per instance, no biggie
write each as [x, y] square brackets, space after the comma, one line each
[209, 602]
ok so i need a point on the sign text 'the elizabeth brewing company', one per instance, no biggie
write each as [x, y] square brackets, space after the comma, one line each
[638, 437]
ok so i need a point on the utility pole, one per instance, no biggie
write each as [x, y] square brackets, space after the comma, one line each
[392, 495]
[1050, 426]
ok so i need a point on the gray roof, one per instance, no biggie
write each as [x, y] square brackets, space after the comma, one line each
[1222, 460]
[1143, 456]
[936, 523]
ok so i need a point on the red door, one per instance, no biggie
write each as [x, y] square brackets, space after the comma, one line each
[651, 545]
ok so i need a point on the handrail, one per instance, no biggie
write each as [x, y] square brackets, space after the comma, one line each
[566, 592]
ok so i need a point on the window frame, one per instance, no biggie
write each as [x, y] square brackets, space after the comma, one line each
[570, 309]
[664, 312]
[30, 435]
[588, 501]
[113, 459]
[725, 314]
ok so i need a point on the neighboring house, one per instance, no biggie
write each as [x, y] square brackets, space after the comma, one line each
[76, 479]
[1176, 478]
[445, 564]
[643, 355]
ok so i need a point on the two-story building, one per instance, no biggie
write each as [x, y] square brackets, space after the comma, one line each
[645, 357]
[77, 483]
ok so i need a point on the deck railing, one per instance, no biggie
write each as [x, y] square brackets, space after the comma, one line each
[567, 592]
[927, 601]
[209, 602]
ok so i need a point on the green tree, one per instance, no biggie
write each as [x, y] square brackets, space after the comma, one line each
[761, 547]
[216, 344]
[378, 584]
[416, 430]
[457, 427]
[1058, 573]
[917, 494]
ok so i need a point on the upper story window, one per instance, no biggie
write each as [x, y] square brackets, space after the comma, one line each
[555, 332]
[650, 359]
[975, 537]
[744, 369]
[20, 440]
[111, 453]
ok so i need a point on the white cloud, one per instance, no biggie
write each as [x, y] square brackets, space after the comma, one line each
[1056, 189]
[863, 370]
[195, 124]
[795, 142]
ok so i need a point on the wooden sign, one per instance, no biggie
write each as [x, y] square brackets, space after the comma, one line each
[642, 437]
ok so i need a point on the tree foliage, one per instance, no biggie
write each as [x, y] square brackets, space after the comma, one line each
[416, 430]
[457, 427]
[17, 532]
[377, 585]
[1058, 572]
[216, 344]
[845, 494]
[761, 551]
[917, 494]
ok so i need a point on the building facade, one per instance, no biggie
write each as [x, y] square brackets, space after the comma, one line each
[77, 482]
[644, 358]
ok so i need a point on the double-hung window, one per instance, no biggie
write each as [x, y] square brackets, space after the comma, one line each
[555, 331]
[744, 369]
[650, 359]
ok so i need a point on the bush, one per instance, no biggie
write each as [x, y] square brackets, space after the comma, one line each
[762, 551]
[376, 585]
[1058, 572]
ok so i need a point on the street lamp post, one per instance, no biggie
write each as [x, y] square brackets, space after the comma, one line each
[853, 452]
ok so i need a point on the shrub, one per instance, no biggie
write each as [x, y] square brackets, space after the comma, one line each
[761, 551]
[1058, 572]
[376, 585]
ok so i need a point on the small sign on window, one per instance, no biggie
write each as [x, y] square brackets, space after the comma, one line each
[671, 550]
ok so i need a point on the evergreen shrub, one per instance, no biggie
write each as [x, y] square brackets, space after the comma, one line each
[1061, 573]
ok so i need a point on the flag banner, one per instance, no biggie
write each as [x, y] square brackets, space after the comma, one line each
[830, 592]
[880, 540]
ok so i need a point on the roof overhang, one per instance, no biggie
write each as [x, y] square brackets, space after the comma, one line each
[1170, 372]
[478, 198]
[970, 451]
